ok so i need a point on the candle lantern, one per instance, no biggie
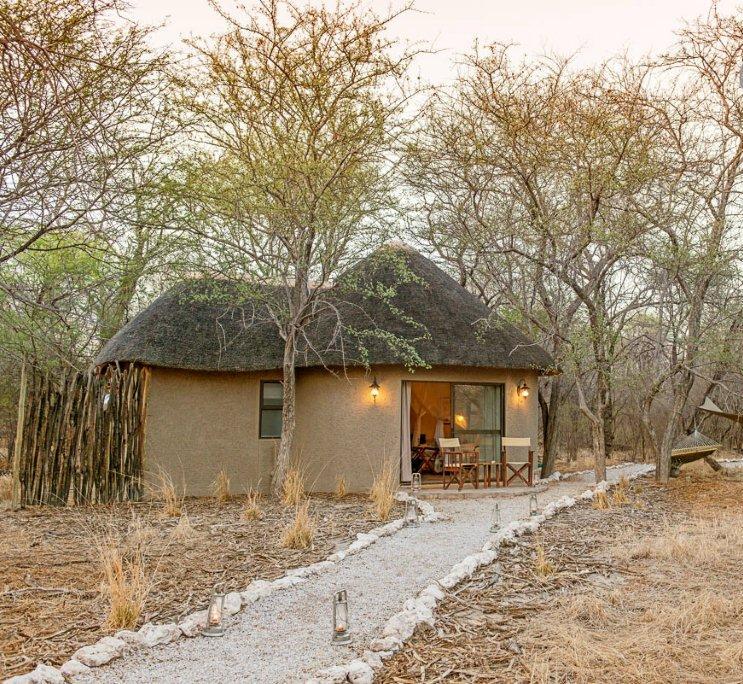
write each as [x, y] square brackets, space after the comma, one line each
[495, 519]
[533, 505]
[411, 518]
[416, 482]
[341, 627]
[214, 626]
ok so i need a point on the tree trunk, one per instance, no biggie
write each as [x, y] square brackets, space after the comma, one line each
[680, 395]
[550, 414]
[288, 418]
[599, 448]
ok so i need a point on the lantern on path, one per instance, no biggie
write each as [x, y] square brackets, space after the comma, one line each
[214, 626]
[341, 627]
[411, 518]
[416, 482]
[495, 518]
[533, 505]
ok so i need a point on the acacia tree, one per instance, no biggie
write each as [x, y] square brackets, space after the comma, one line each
[540, 166]
[77, 87]
[695, 253]
[299, 110]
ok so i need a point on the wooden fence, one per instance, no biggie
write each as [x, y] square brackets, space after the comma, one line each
[80, 437]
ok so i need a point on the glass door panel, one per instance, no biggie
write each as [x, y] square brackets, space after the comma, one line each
[478, 417]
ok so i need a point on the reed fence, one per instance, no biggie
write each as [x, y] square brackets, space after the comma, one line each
[80, 437]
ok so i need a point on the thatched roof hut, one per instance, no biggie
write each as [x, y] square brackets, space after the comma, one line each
[421, 357]
[202, 325]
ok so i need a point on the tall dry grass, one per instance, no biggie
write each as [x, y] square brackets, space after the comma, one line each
[383, 489]
[292, 489]
[164, 489]
[300, 533]
[252, 509]
[221, 487]
[6, 488]
[681, 620]
[125, 582]
[340, 487]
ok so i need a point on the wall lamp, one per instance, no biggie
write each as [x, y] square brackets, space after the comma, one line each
[522, 389]
[374, 387]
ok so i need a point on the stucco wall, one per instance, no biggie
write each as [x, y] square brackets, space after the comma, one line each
[199, 423]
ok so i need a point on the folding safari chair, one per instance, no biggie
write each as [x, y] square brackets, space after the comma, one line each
[459, 463]
[517, 468]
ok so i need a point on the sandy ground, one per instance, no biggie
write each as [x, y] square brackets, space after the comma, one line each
[637, 593]
[286, 637]
[51, 601]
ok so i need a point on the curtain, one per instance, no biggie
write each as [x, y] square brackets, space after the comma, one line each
[439, 433]
[406, 465]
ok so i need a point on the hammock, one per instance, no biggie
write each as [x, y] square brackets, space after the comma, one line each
[710, 407]
[693, 447]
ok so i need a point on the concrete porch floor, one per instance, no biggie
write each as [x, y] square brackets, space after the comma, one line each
[469, 492]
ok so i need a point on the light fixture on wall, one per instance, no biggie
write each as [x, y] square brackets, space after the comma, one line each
[522, 389]
[374, 387]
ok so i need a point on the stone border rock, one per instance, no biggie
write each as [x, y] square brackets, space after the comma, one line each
[109, 648]
[420, 609]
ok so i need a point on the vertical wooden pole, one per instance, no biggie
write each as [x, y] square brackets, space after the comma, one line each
[15, 502]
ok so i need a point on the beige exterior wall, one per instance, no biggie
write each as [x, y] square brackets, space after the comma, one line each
[200, 423]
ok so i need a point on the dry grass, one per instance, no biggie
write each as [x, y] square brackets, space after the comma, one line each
[56, 547]
[125, 582]
[542, 565]
[252, 509]
[184, 529]
[165, 490]
[383, 489]
[601, 501]
[221, 487]
[300, 533]
[340, 487]
[292, 490]
[6, 488]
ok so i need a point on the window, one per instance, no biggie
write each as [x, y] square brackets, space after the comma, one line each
[272, 401]
[478, 417]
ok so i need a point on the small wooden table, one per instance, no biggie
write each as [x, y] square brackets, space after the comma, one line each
[487, 467]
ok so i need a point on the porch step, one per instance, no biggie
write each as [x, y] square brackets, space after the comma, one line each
[480, 493]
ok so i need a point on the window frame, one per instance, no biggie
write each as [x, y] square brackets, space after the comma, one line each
[262, 408]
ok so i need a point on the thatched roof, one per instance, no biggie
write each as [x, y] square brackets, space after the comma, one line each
[190, 328]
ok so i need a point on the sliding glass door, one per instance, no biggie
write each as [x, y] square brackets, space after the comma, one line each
[477, 417]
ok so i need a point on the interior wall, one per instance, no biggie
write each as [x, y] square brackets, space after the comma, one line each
[430, 401]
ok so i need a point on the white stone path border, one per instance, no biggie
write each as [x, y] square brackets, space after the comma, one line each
[420, 609]
[150, 635]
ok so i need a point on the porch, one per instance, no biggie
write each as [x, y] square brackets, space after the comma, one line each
[453, 438]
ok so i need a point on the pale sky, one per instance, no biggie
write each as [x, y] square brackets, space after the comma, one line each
[596, 28]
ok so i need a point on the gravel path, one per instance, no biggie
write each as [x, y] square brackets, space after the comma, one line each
[285, 637]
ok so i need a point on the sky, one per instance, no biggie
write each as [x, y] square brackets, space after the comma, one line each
[595, 29]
